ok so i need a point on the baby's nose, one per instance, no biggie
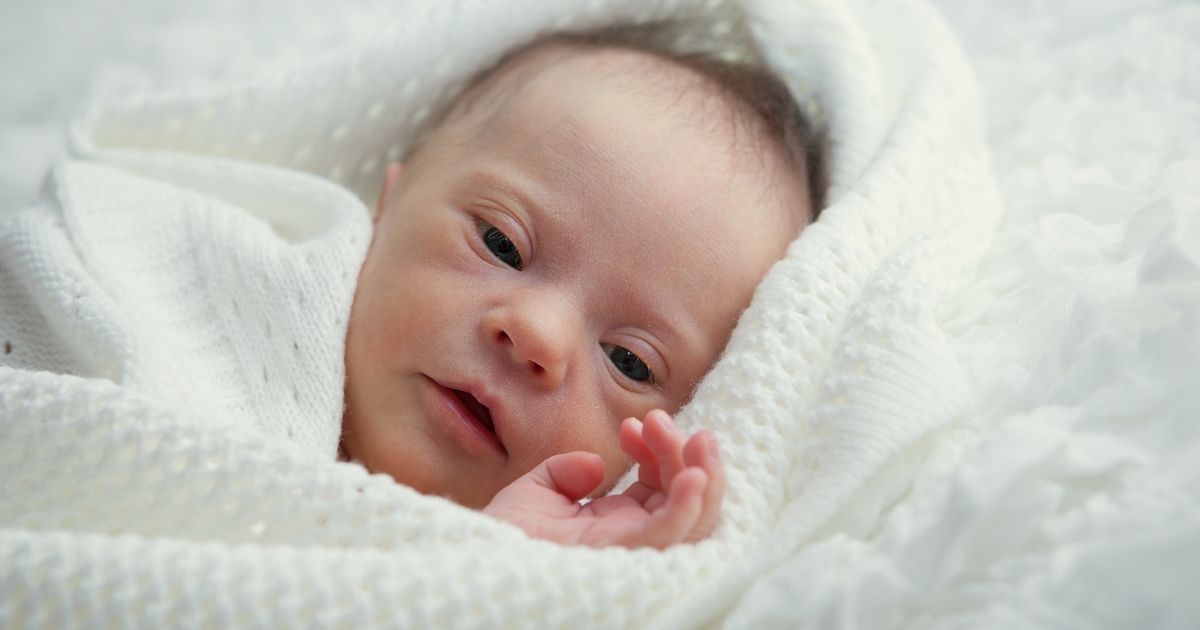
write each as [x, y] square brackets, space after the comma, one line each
[539, 335]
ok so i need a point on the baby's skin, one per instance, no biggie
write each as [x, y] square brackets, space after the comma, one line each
[551, 273]
[677, 497]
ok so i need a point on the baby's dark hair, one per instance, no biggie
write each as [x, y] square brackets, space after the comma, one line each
[745, 83]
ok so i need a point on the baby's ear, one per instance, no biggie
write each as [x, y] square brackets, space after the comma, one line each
[389, 181]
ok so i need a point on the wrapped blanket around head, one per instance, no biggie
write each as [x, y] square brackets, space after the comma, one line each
[187, 282]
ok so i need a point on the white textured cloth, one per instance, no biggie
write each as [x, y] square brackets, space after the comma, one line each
[873, 481]
[228, 305]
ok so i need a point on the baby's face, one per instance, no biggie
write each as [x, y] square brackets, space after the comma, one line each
[579, 260]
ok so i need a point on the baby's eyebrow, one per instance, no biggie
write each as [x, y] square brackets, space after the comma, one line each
[514, 194]
[683, 342]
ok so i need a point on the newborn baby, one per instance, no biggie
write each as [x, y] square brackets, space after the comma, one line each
[554, 268]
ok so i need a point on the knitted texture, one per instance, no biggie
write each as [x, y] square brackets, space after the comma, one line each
[176, 307]
[209, 523]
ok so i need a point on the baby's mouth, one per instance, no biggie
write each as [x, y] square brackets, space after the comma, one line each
[480, 411]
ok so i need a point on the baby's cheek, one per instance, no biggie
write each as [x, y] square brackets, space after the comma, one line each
[616, 463]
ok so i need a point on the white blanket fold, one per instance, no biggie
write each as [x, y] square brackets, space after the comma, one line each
[174, 308]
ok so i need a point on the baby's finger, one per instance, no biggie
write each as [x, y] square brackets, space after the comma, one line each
[671, 523]
[633, 443]
[573, 475]
[656, 501]
[642, 493]
[702, 450]
[666, 442]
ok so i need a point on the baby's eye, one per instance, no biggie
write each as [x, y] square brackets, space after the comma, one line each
[500, 245]
[628, 363]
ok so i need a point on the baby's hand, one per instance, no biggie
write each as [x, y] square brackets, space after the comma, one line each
[677, 497]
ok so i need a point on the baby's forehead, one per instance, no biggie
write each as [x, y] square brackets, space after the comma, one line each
[577, 98]
[668, 89]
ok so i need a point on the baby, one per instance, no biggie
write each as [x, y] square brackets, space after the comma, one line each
[554, 268]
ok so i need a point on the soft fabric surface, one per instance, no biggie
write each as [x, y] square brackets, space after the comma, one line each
[930, 418]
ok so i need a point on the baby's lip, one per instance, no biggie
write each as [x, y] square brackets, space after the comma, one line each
[473, 393]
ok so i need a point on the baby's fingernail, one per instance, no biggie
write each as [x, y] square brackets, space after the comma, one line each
[713, 450]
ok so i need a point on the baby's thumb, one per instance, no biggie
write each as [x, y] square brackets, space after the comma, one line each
[573, 475]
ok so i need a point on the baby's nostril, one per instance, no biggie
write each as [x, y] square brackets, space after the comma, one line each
[537, 369]
[503, 337]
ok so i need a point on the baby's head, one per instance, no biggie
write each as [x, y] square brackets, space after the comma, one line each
[570, 246]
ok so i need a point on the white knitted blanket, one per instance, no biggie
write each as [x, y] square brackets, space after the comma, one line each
[927, 420]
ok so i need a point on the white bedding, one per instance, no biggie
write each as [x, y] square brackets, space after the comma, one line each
[935, 419]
